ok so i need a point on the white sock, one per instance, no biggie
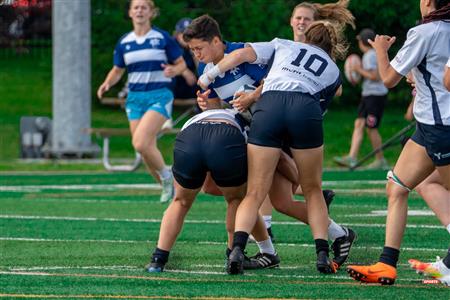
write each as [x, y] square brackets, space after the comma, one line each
[266, 247]
[448, 228]
[335, 231]
[268, 220]
[165, 173]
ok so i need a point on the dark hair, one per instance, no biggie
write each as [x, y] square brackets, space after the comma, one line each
[442, 12]
[328, 34]
[203, 28]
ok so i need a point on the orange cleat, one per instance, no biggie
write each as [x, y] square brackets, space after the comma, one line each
[377, 273]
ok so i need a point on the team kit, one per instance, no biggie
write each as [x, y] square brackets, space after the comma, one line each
[262, 109]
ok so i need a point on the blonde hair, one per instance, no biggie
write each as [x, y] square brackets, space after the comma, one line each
[153, 7]
[328, 32]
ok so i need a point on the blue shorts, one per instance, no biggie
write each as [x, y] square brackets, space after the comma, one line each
[219, 148]
[138, 103]
[287, 119]
[436, 140]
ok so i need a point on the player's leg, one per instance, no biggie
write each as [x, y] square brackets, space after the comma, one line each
[412, 167]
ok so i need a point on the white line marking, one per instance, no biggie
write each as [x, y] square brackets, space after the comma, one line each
[91, 219]
[149, 186]
[383, 213]
[23, 239]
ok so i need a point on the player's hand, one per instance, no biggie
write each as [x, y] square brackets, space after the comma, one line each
[382, 42]
[102, 89]
[242, 101]
[410, 79]
[169, 70]
[202, 99]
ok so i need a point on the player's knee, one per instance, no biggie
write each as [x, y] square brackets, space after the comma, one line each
[141, 145]
[183, 202]
[394, 191]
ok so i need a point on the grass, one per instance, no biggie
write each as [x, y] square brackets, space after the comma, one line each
[93, 241]
[26, 91]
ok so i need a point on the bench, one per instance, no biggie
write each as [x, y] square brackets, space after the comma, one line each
[107, 133]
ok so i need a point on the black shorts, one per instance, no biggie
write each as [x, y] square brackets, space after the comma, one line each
[287, 119]
[436, 140]
[216, 147]
[371, 108]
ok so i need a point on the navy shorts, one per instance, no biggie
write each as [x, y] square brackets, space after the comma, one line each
[287, 119]
[216, 147]
[436, 140]
[371, 108]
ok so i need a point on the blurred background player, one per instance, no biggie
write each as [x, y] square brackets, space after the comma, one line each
[371, 107]
[424, 52]
[151, 58]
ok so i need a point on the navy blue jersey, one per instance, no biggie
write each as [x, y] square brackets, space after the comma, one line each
[225, 85]
[142, 56]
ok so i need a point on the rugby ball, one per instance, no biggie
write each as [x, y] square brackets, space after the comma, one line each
[248, 114]
[351, 62]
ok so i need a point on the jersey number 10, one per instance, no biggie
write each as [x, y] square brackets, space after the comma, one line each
[311, 59]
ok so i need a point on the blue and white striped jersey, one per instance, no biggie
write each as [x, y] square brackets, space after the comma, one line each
[298, 67]
[425, 52]
[226, 84]
[143, 56]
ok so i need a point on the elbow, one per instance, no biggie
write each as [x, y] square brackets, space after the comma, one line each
[389, 83]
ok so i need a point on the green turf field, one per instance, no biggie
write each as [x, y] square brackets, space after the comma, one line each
[80, 235]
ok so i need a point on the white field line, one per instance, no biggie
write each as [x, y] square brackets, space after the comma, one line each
[208, 273]
[149, 186]
[25, 239]
[383, 213]
[92, 219]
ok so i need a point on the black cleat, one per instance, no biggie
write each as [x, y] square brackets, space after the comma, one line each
[324, 264]
[342, 245]
[235, 263]
[155, 266]
[328, 195]
[263, 261]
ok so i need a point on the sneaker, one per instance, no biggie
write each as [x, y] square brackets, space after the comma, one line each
[324, 264]
[247, 263]
[437, 270]
[378, 164]
[377, 273]
[345, 161]
[263, 261]
[235, 263]
[342, 245]
[155, 266]
[328, 195]
[167, 190]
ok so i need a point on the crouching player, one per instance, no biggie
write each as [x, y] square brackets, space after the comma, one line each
[203, 139]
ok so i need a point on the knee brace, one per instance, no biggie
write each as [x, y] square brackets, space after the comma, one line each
[397, 181]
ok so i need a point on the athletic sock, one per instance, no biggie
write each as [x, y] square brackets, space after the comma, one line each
[335, 231]
[321, 245]
[266, 246]
[446, 259]
[448, 228]
[160, 256]
[390, 256]
[267, 220]
[240, 239]
[164, 173]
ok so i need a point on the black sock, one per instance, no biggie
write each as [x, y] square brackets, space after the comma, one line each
[160, 256]
[321, 245]
[390, 256]
[446, 259]
[240, 239]
[227, 252]
[269, 232]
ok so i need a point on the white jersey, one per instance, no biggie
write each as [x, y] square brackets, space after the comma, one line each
[425, 52]
[298, 67]
[228, 115]
[448, 63]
